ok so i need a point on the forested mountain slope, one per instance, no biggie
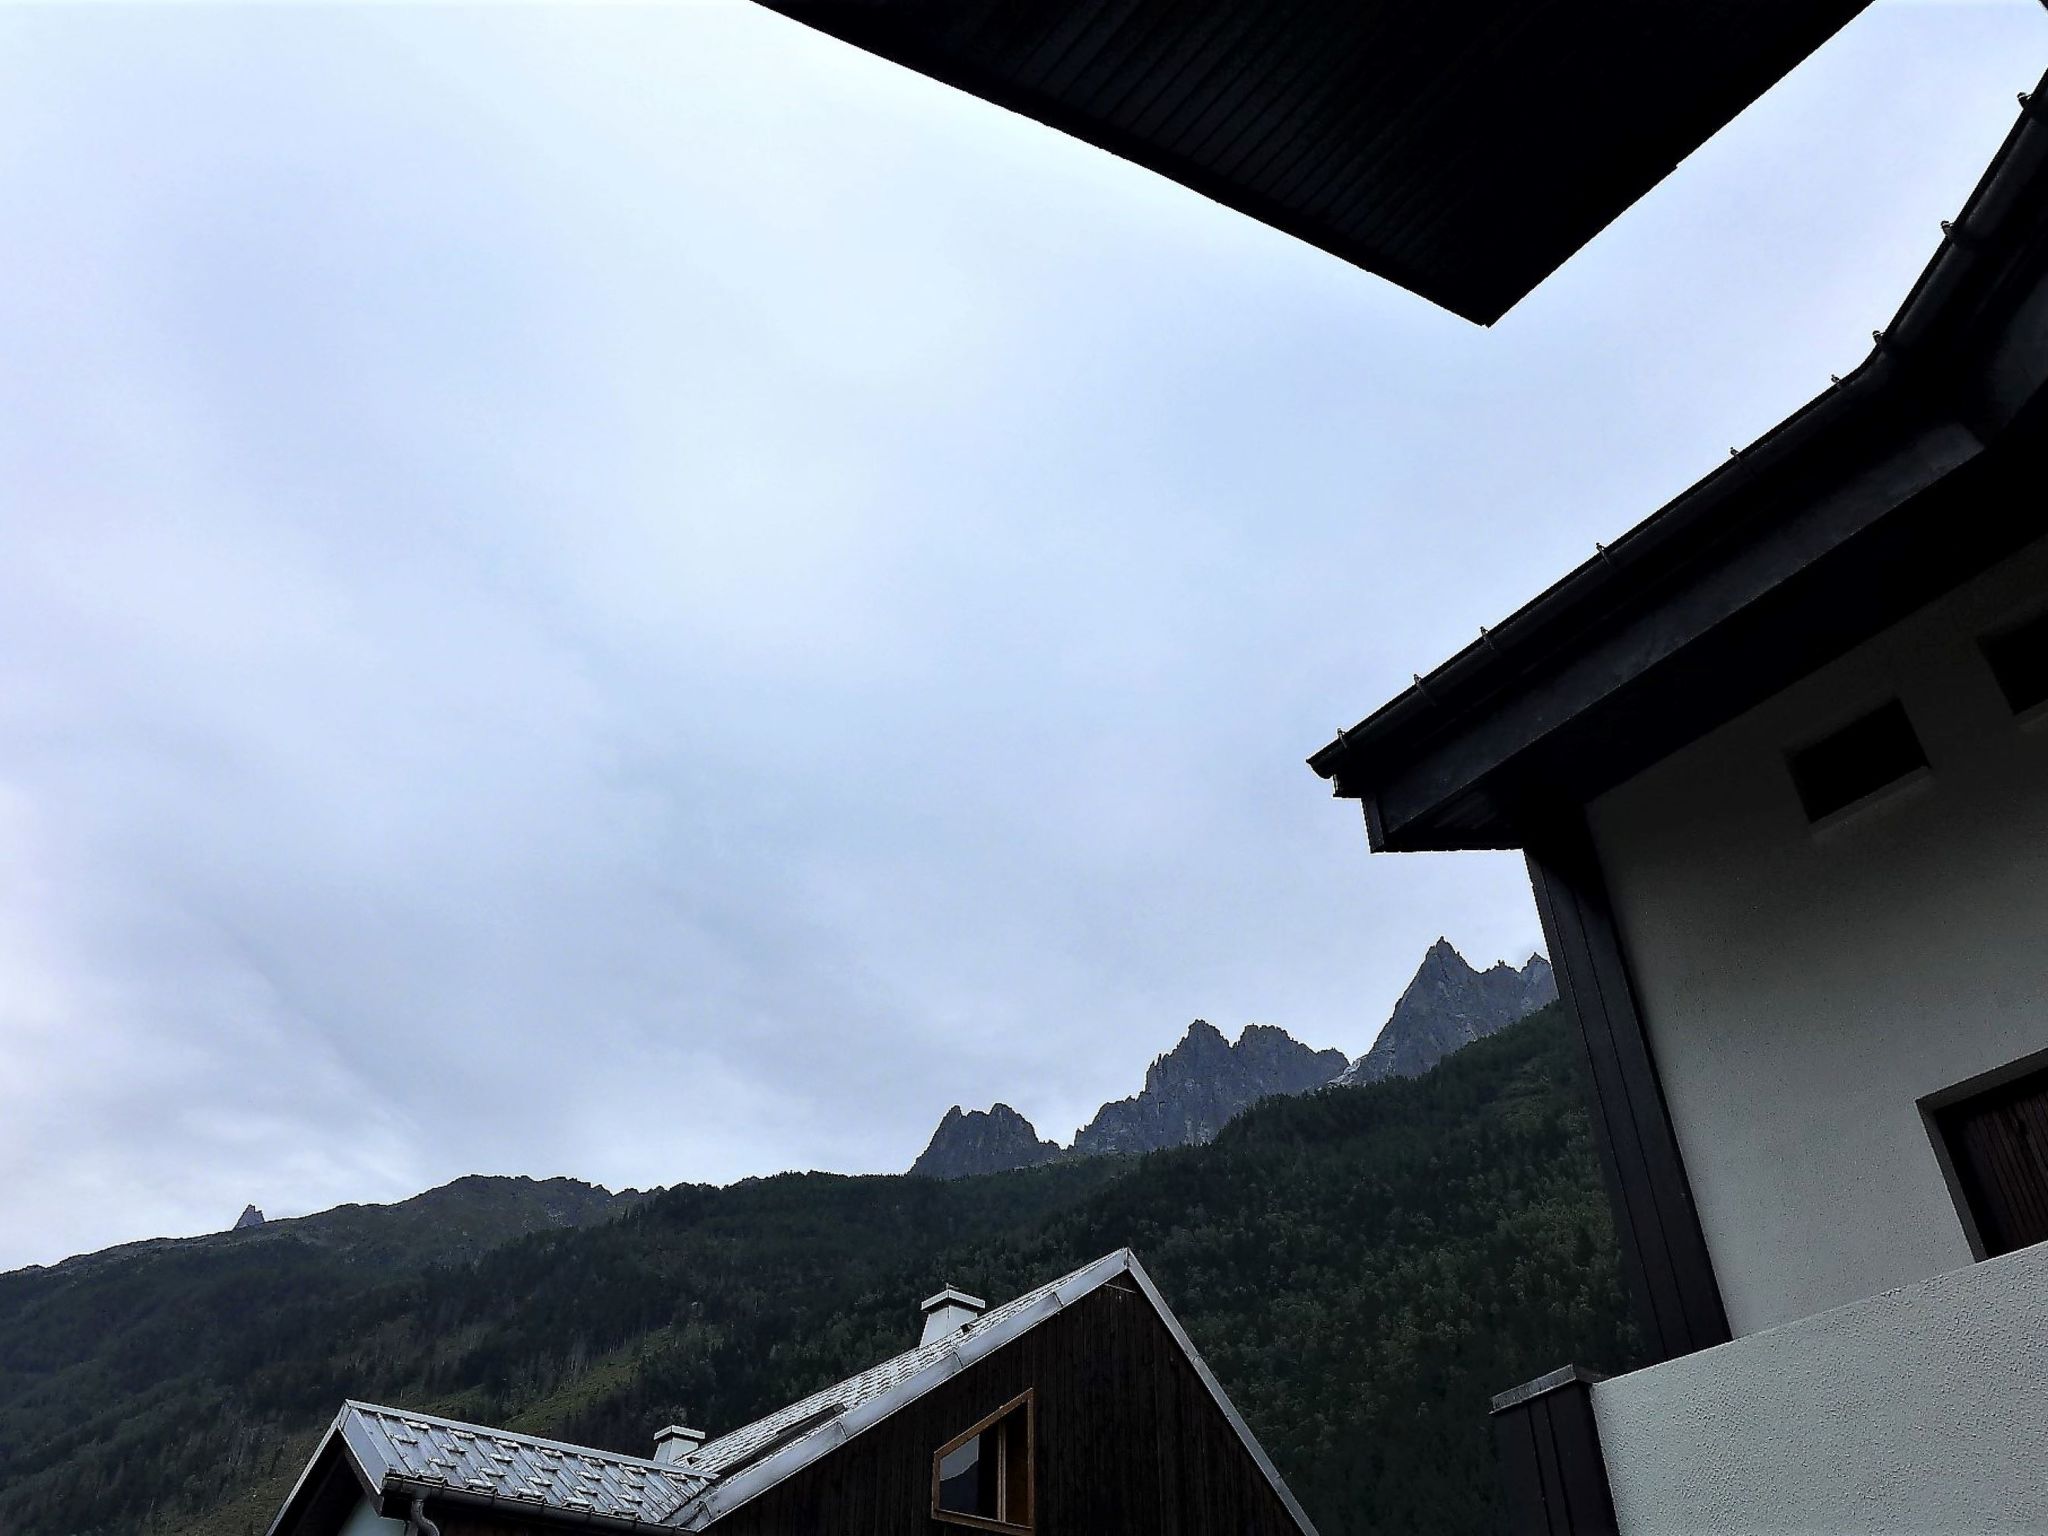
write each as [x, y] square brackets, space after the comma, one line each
[461, 1219]
[1362, 1267]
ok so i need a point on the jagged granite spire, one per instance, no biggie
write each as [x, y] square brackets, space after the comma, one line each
[250, 1217]
[1447, 1005]
[1196, 1087]
[982, 1141]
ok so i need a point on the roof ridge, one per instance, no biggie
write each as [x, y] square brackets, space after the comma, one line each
[813, 1402]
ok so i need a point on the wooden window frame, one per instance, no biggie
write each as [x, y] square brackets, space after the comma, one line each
[1932, 1116]
[1028, 1401]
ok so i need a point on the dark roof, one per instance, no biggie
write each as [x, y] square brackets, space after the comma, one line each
[1462, 150]
[393, 1455]
[1902, 480]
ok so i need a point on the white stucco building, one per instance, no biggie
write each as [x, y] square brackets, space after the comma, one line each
[1776, 757]
[1779, 762]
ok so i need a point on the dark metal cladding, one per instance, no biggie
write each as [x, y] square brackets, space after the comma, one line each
[1464, 151]
[1548, 1446]
[1664, 1251]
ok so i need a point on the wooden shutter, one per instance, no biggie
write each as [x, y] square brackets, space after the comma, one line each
[1997, 1143]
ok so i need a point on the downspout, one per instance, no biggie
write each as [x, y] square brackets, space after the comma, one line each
[417, 1523]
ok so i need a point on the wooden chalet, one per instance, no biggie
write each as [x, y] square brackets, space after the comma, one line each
[1080, 1408]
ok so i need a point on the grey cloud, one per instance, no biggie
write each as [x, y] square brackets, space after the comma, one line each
[629, 592]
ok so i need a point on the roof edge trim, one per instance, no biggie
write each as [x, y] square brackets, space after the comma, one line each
[727, 1495]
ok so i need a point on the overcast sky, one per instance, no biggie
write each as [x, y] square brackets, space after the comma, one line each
[636, 593]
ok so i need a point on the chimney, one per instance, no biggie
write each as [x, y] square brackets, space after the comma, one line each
[676, 1444]
[948, 1312]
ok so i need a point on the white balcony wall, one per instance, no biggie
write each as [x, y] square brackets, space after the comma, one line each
[1804, 988]
[1922, 1411]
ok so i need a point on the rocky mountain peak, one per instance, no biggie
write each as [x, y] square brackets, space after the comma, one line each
[1448, 1005]
[1192, 1090]
[982, 1141]
[250, 1217]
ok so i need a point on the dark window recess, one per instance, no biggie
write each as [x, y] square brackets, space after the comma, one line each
[1858, 760]
[1997, 1143]
[2019, 660]
[983, 1478]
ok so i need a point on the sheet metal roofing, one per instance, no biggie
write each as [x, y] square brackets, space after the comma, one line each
[398, 1454]
[1464, 151]
[395, 1446]
[815, 1414]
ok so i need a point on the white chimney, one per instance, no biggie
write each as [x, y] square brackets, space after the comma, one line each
[949, 1312]
[676, 1444]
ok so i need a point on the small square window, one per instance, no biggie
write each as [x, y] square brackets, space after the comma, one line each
[2018, 659]
[1858, 760]
[1994, 1141]
[982, 1477]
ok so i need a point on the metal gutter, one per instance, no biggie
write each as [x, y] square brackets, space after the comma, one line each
[420, 1489]
[1490, 663]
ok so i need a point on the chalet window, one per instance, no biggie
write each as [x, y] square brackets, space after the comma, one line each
[983, 1477]
[2019, 660]
[1995, 1141]
[1857, 761]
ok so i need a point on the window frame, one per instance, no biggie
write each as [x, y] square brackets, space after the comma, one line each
[1028, 1401]
[1992, 650]
[1934, 1110]
[1813, 765]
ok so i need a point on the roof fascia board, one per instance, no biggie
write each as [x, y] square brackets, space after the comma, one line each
[1525, 636]
[333, 1444]
[1489, 745]
[399, 1492]
[2016, 369]
[2002, 367]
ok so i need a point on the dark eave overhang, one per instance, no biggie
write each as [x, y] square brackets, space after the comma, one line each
[1462, 150]
[1902, 480]
[331, 1484]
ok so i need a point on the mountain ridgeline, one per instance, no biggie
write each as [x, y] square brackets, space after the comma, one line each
[1449, 1005]
[450, 1223]
[1200, 1085]
[1196, 1088]
[1361, 1267]
[990, 1140]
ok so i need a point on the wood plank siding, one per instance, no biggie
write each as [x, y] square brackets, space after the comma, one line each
[1129, 1443]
